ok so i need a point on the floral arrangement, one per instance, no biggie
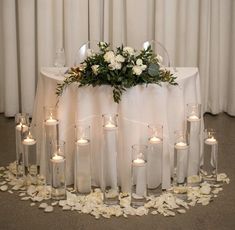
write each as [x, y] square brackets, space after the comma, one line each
[121, 69]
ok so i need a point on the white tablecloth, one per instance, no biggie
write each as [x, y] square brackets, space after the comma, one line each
[139, 107]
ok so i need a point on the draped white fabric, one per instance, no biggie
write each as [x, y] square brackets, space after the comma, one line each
[197, 33]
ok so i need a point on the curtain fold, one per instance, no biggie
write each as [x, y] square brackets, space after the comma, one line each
[197, 33]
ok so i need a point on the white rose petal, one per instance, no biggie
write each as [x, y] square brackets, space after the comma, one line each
[43, 205]
[49, 209]
[4, 188]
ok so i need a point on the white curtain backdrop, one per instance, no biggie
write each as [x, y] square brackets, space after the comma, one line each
[197, 33]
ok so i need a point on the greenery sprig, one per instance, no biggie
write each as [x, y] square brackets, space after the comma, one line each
[121, 69]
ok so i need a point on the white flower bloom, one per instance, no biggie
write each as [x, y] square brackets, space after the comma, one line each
[115, 65]
[95, 69]
[119, 58]
[137, 70]
[102, 43]
[109, 56]
[139, 62]
[160, 58]
[129, 50]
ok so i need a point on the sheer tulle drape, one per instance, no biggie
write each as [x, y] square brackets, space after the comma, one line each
[195, 33]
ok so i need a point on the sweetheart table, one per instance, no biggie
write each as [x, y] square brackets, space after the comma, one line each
[139, 106]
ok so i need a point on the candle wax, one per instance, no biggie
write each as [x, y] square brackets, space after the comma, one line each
[51, 121]
[193, 118]
[211, 141]
[139, 162]
[154, 140]
[29, 141]
[181, 145]
[82, 141]
[56, 158]
[110, 126]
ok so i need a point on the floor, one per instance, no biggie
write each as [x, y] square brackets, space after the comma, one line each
[220, 214]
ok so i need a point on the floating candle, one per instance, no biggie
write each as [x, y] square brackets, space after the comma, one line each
[181, 145]
[154, 140]
[82, 141]
[29, 141]
[211, 141]
[51, 121]
[193, 118]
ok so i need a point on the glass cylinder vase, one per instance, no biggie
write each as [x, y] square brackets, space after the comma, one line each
[194, 139]
[82, 175]
[181, 150]
[209, 164]
[109, 159]
[58, 170]
[51, 127]
[22, 123]
[139, 175]
[31, 167]
[154, 166]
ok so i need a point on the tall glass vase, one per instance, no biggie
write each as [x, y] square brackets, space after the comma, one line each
[139, 175]
[82, 174]
[194, 140]
[22, 123]
[109, 159]
[181, 149]
[31, 167]
[51, 127]
[209, 165]
[154, 167]
[58, 171]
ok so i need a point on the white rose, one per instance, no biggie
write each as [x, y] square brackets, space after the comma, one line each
[109, 56]
[137, 70]
[139, 62]
[129, 50]
[119, 58]
[115, 65]
[118, 65]
[95, 69]
[159, 58]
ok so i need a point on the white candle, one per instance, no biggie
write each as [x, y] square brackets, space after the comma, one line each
[22, 127]
[29, 141]
[211, 141]
[51, 121]
[82, 141]
[181, 145]
[110, 126]
[154, 140]
[193, 118]
[57, 159]
[139, 162]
